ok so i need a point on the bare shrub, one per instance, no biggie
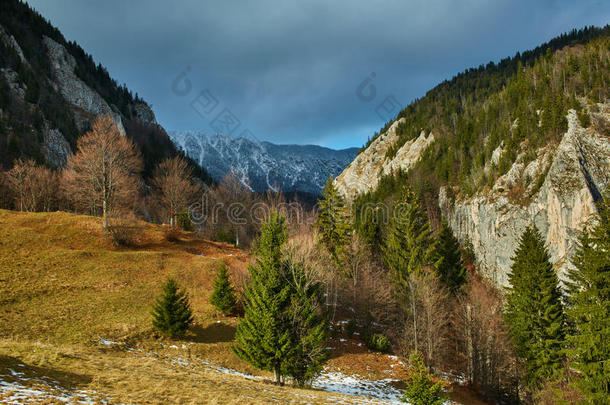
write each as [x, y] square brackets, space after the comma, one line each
[171, 233]
[33, 188]
[123, 233]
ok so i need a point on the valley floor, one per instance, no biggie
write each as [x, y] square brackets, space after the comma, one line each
[75, 325]
[42, 373]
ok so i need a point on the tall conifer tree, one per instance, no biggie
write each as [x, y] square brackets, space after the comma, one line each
[263, 337]
[409, 245]
[309, 324]
[534, 310]
[589, 310]
[450, 268]
[409, 251]
[333, 221]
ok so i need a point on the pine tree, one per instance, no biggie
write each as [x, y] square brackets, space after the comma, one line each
[534, 310]
[223, 296]
[264, 338]
[409, 245]
[421, 388]
[409, 251]
[172, 313]
[309, 325]
[333, 221]
[450, 268]
[589, 310]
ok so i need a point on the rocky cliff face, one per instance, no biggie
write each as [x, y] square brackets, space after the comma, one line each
[574, 174]
[85, 101]
[556, 191]
[364, 172]
[51, 92]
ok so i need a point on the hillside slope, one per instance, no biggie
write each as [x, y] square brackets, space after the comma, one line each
[75, 316]
[51, 90]
[499, 147]
[264, 165]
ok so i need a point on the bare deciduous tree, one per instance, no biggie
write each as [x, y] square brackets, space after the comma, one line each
[34, 188]
[368, 285]
[103, 174]
[487, 355]
[427, 317]
[232, 213]
[176, 189]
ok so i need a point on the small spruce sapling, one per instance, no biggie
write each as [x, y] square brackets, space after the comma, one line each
[172, 313]
[223, 296]
[421, 388]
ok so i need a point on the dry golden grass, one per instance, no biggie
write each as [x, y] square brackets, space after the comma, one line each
[117, 375]
[64, 286]
[63, 280]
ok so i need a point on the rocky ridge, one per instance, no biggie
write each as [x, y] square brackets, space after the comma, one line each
[364, 172]
[262, 165]
[571, 177]
[556, 191]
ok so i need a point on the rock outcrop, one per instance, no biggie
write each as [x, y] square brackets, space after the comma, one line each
[364, 173]
[562, 185]
[55, 148]
[87, 102]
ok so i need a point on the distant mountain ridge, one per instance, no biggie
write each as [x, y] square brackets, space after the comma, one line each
[264, 165]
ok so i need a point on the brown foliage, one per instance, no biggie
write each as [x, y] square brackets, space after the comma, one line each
[367, 286]
[123, 233]
[175, 188]
[426, 317]
[171, 233]
[102, 177]
[6, 198]
[33, 188]
[486, 353]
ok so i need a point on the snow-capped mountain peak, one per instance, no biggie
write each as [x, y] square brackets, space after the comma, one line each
[263, 165]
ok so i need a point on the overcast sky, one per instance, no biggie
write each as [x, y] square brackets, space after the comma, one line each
[295, 71]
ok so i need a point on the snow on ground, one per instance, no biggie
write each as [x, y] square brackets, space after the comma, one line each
[35, 390]
[355, 385]
[375, 392]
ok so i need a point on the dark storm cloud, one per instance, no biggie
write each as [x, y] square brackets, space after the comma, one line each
[289, 70]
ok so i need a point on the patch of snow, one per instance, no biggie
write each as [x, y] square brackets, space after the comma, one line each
[107, 342]
[355, 385]
[23, 391]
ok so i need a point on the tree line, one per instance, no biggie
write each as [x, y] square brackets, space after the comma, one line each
[537, 340]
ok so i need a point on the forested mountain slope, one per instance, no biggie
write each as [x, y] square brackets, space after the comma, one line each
[51, 89]
[503, 145]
